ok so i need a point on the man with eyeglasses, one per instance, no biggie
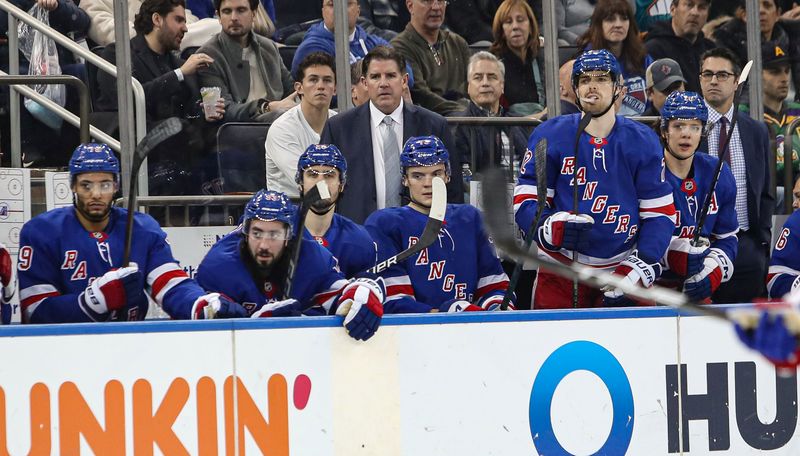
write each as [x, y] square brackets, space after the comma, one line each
[251, 263]
[681, 38]
[70, 259]
[749, 157]
[697, 269]
[438, 58]
[348, 241]
[625, 214]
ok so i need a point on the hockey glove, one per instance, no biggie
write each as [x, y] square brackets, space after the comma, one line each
[716, 269]
[361, 305]
[772, 339]
[286, 308]
[215, 305]
[112, 291]
[685, 259]
[563, 230]
[8, 282]
[635, 271]
[457, 305]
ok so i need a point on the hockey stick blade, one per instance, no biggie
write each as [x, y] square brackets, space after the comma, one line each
[317, 193]
[494, 204]
[722, 152]
[540, 157]
[430, 232]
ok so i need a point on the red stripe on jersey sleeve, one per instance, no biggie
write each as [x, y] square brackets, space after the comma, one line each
[502, 286]
[394, 290]
[36, 298]
[668, 210]
[522, 197]
[162, 280]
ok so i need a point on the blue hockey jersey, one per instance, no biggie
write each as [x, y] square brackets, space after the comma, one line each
[58, 259]
[784, 266]
[689, 194]
[461, 265]
[350, 243]
[622, 186]
[318, 279]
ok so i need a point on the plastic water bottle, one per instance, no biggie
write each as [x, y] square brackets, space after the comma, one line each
[467, 176]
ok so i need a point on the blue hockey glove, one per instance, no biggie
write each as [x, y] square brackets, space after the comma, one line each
[563, 230]
[8, 282]
[635, 271]
[112, 291]
[772, 339]
[215, 305]
[286, 308]
[716, 269]
[459, 305]
[361, 305]
[685, 259]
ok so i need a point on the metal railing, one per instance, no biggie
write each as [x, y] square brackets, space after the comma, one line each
[788, 172]
[15, 15]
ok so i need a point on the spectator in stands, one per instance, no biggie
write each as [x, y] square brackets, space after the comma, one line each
[170, 89]
[786, 34]
[300, 126]
[749, 156]
[516, 43]
[484, 146]
[101, 13]
[247, 67]
[373, 132]
[612, 28]
[170, 84]
[41, 144]
[662, 77]
[319, 37]
[682, 39]
[475, 18]
[438, 58]
[264, 23]
[358, 90]
[567, 95]
[573, 18]
[648, 12]
[778, 111]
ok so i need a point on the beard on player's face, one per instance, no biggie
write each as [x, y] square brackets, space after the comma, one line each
[94, 210]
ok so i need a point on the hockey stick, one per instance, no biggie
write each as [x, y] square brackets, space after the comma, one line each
[496, 216]
[723, 151]
[429, 234]
[317, 193]
[584, 122]
[151, 140]
[540, 155]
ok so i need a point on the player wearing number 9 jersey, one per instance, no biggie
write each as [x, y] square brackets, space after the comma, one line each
[70, 259]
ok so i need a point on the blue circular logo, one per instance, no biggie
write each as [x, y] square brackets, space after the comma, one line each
[588, 356]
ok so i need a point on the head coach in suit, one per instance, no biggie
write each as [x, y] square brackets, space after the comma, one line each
[372, 135]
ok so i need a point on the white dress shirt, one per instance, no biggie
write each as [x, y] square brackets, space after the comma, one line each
[375, 120]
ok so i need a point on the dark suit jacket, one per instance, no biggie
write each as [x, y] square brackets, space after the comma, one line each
[165, 95]
[760, 192]
[351, 132]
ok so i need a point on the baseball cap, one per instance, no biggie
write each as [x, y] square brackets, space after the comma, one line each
[772, 54]
[663, 73]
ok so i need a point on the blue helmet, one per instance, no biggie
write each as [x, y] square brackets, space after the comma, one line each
[93, 158]
[424, 151]
[321, 154]
[595, 60]
[683, 105]
[269, 205]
